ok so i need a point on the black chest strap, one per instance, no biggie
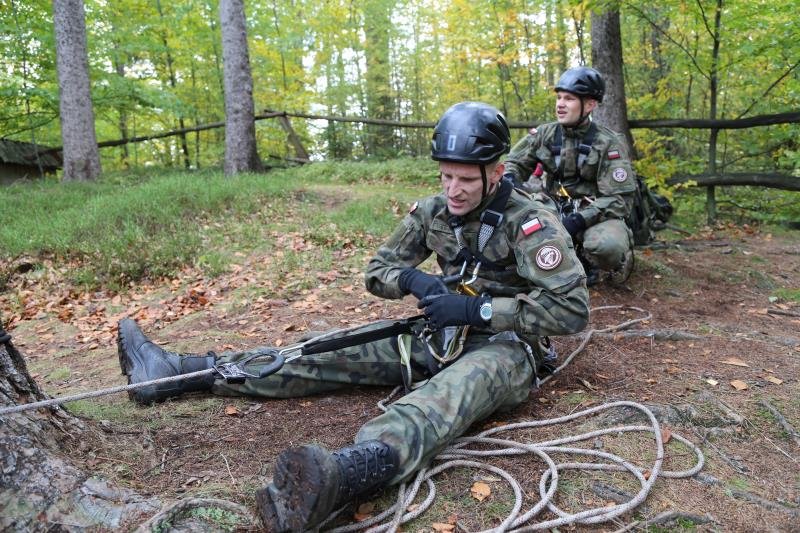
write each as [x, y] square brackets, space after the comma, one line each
[584, 148]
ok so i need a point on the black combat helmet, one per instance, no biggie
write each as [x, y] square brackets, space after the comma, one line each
[472, 133]
[582, 81]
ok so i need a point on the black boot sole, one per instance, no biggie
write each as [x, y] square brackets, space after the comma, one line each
[295, 500]
[143, 396]
[124, 363]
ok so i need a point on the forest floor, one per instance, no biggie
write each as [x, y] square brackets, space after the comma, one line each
[732, 386]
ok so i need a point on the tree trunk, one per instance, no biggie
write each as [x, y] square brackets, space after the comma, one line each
[607, 58]
[40, 489]
[173, 83]
[711, 199]
[377, 25]
[81, 156]
[241, 154]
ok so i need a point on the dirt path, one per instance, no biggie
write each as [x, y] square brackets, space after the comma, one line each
[720, 291]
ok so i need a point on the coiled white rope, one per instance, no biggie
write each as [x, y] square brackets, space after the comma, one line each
[460, 455]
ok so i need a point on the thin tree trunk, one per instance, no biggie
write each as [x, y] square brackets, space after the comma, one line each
[173, 82]
[81, 156]
[711, 200]
[377, 24]
[241, 154]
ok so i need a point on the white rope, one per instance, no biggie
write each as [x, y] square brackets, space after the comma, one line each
[104, 392]
[459, 455]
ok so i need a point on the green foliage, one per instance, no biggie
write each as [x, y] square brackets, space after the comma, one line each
[157, 65]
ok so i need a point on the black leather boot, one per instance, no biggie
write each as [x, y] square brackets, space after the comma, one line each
[142, 360]
[311, 482]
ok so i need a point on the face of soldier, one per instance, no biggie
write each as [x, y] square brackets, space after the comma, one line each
[568, 108]
[463, 186]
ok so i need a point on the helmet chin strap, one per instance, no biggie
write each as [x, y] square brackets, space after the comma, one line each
[485, 189]
[582, 118]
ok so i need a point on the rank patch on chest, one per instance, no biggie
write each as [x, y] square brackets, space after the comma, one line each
[548, 257]
[413, 207]
[619, 175]
[613, 154]
[531, 226]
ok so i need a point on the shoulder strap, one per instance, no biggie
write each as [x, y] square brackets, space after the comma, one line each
[584, 148]
[491, 217]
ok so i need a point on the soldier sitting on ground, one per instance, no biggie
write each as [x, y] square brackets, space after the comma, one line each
[480, 356]
[586, 169]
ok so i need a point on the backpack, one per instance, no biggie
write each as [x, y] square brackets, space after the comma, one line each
[650, 213]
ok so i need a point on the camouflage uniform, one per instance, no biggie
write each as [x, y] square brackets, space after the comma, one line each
[604, 184]
[496, 369]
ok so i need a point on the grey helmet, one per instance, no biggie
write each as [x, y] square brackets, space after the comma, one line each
[582, 81]
[471, 133]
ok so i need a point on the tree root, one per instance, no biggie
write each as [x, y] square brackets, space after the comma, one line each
[787, 427]
[656, 334]
[668, 519]
[181, 508]
[763, 502]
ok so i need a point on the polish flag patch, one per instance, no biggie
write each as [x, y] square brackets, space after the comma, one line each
[613, 154]
[413, 208]
[531, 226]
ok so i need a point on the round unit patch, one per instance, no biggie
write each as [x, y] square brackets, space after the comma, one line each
[548, 257]
[620, 175]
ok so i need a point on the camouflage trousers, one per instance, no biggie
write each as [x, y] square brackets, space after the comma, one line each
[605, 244]
[493, 373]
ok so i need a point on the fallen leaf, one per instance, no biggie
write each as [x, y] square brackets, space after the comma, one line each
[443, 528]
[712, 382]
[601, 376]
[666, 435]
[739, 384]
[480, 490]
[773, 379]
[586, 383]
[231, 410]
[364, 511]
[735, 361]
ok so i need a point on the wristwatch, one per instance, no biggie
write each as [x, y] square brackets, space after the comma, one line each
[486, 311]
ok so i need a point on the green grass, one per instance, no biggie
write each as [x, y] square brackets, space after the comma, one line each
[129, 226]
[789, 295]
[126, 227]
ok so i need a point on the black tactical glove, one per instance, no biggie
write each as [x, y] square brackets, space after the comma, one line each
[574, 224]
[420, 284]
[444, 310]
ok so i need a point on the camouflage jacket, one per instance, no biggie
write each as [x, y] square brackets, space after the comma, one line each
[606, 178]
[541, 288]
